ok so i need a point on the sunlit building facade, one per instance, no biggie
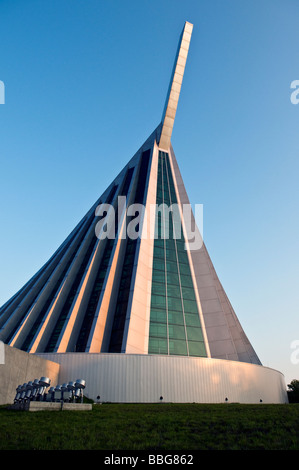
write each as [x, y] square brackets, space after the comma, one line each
[142, 318]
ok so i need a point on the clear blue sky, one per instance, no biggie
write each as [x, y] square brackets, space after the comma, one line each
[85, 84]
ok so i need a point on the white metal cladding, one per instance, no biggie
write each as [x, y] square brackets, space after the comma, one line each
[133, 378]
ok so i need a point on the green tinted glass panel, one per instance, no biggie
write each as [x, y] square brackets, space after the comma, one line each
[158, 330]
[158, 276]
[180, 243]
[159, 252]
[159, 301]
[158, 289]
[157, 346]
[190, 306]
[173, 279]
[188, 293]
[159, 264]
[175, 304]
[178, 347]
[158, 315]
[171, 255]
[192, 320]
[182, 257]
[159, 243]
[184, 269]
[194, 334]
[173, 291]
[171, 266]
[176, 332]
[174, 320]
[186, 281]
[197, 349]
[170, 245]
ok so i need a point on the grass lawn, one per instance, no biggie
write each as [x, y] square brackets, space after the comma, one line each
[153, 427]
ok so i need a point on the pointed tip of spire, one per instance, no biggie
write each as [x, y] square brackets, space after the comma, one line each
[188, 25]
[175, 87]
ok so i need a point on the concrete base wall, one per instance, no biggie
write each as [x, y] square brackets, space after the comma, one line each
[51, 406]
[18, 367]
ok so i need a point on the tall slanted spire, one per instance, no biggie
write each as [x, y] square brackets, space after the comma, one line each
[140, 314]
[174, 89]
[135, 295]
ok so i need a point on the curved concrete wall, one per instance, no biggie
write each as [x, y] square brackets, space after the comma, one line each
[130, 378]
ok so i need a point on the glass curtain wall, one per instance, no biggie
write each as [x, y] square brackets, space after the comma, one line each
[175, 327]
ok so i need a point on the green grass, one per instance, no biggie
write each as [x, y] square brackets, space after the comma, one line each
[154, 427]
